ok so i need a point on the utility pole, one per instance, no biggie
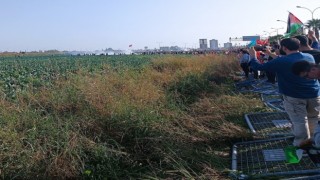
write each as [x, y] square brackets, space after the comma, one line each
[311, 11]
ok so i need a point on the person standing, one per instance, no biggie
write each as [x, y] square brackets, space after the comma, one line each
[244, 60]
[305, 48]
[313, 41]
[305, 69]
[301, 96]
[309, 70]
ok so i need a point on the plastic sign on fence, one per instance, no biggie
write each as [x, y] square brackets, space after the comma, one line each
[293, 154]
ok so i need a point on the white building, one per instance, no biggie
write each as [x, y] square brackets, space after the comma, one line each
[214, 44]
[227, 45]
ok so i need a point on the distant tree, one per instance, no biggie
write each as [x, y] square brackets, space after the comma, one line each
[275, 38]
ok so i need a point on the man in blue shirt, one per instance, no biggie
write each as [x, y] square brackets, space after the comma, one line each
[301, 95]
[309, 70]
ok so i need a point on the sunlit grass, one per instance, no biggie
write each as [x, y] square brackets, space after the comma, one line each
[174, 118]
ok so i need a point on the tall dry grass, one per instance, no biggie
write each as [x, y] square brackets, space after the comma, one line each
[173, 119]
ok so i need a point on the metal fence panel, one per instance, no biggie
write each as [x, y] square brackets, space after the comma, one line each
[270, 124]
[249, 161]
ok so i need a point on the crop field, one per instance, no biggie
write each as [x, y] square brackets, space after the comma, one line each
[120, 117]
[18, 73]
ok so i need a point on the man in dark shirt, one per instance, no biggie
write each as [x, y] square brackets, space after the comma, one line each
[305, 48]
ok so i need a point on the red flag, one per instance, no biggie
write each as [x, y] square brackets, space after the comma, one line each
[262, 42]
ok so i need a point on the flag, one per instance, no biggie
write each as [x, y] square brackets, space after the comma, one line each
[262, 42]
[130, 45]
[294, 24]
[252, 43]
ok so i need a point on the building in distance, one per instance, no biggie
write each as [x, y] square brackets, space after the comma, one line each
[171, 48]
[227, 45]
[203, 43]
[214, 44]
[165, 48]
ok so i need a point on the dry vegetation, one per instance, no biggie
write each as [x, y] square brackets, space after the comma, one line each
[174, 119]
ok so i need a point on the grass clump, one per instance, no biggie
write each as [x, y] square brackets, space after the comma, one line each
[188, 89]
[174, 118]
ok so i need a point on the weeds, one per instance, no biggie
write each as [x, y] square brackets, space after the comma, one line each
[174, 118]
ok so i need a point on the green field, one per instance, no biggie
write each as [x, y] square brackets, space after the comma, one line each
[21, 72]
[120, 117]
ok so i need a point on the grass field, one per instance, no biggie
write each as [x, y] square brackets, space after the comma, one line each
[120, 117]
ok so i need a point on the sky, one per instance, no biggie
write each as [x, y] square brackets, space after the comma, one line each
[88, 25]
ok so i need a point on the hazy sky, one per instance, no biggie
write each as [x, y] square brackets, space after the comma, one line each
[99, 24]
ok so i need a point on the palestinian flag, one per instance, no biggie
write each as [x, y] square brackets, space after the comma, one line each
[294, 25]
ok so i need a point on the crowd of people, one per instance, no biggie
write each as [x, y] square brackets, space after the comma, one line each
[294, 65]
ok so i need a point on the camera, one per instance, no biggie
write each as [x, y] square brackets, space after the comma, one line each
[260, 48]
